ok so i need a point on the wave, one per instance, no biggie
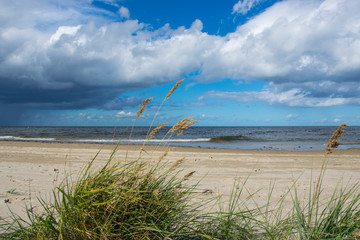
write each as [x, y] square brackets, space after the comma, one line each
[105, 141]
[30, 139]
[229, 138]
[143, 140]
[175, 140]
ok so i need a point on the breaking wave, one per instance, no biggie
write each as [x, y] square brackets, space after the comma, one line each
[229, 138]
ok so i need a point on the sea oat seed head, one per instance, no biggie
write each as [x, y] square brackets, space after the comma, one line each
[164, 155]
[334, 140]
[187, 176]
[180, 124]
[143, 105]
[173, 89]
[186, 126]
[176, 164]
[155, 130]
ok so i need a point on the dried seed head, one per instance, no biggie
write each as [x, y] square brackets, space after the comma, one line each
[173, 89]
[142, 149]
[143, 105]
[334, 140]
[164, 155]
[186, 126]
[180, 124]
[176, 164]
[187, 176]
[155, 130]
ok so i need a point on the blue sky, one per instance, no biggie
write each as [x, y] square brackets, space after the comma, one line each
[246, 62]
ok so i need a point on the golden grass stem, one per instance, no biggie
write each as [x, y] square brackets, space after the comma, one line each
[187, 176]
[186, 126]
[334, 140]
[143, 105]
[148, 137]
[331, 145]
[139, 112]
[180, 124]
[155, 130]
[173, 89]
[176, 164]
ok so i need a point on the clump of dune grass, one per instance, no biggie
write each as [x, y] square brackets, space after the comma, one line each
[119, 201]
[233, 220]
[122, 200]
[335, 218]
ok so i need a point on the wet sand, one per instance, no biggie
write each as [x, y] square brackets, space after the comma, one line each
[34, 169]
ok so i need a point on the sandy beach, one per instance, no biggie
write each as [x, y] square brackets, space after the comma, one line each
[34, 169]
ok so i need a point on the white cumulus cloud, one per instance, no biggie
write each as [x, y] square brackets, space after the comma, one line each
[292, 98]
[123, 114]
[310, 48]
[292, 116]
[337, 120]
[244, 6]
[124, 12]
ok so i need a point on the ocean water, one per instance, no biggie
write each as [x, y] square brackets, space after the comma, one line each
[267, 138]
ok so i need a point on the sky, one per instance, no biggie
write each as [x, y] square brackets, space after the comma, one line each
[245, 62]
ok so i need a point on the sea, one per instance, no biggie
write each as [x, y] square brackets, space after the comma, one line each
[262, 138]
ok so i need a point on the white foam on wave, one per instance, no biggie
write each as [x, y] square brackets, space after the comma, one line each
[35, 139]
[172, 140]
[141, 140]
[95, 141]
[6, 137]
[13, 138]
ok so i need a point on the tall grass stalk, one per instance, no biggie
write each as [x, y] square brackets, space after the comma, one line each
[138, 114]
[149, 135]
[334, 218]
[333, 143]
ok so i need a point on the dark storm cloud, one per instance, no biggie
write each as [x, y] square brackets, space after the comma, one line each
[122, 103]
[36, 97]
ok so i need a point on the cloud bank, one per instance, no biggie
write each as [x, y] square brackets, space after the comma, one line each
[72, 57]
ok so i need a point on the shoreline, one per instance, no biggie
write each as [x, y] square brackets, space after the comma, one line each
[36, 168]
[152, 146]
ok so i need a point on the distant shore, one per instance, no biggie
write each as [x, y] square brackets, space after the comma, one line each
[37, 168]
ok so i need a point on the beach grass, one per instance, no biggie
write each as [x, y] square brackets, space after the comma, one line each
[119, 201]
[139, 199]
